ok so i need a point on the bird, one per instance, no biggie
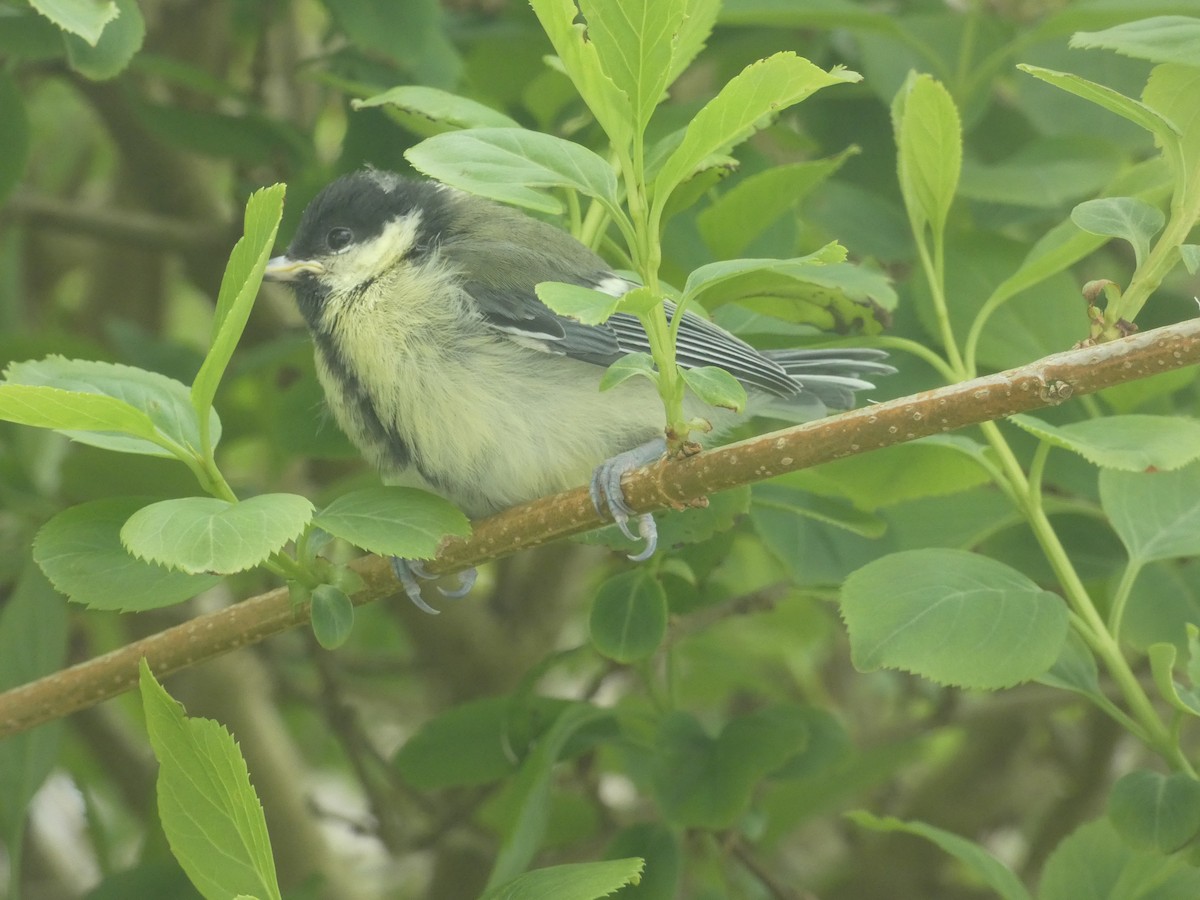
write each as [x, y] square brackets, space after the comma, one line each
[441, 364]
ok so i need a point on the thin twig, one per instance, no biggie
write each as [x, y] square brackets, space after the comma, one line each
[1047, 382]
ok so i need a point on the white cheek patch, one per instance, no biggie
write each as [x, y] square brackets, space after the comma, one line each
[369, 260]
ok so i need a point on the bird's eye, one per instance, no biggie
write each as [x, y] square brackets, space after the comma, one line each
[339, 238]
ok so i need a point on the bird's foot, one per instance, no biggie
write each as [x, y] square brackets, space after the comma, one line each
[605, 488]
[411, 572]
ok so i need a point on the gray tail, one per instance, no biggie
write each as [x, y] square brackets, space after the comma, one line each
[831, 374]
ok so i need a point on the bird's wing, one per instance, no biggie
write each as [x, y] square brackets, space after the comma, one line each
[521, 316]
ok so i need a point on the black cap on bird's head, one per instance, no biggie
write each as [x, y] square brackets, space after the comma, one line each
[369, 219]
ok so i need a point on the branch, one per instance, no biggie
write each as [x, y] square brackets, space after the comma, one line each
[1047, 382]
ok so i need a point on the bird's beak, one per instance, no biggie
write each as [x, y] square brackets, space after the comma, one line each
[283, 268]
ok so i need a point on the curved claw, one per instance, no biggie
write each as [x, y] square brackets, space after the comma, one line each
[605, 490]
[407, 572]
[466, 581]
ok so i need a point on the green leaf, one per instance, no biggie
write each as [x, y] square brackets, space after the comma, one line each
[583, 304]
[1162, 670]
[581, 62]
[716, 387]
[427, 111]
[572, 881]
[1131, 443]
[780, 498]
[532, 789]
[33, 643]
[746, 104]
[1156, 515]
[14, 135]
[1171, 90]
[120, 40]
[206, 804]
[1094, 863]
[627, 367]
[515, 166]
[831, 296]
[48, 407]
[332, 616]
[204, 534]
[1160, 39]
[94, 419]
[929, 151]
[693, 33]
[660, 846]
[86, 18]
[635, 41]
[1128, 218]
[239, 286]
[1135, 111]
[1075, 669]
[956, 618]
[732, 221]
[986, 867]
[704, 782]
[1154, 811]
[393, 521]
[629, 616]
[475, 743]
[930, 467]
[1189, 253]
[1044, 174]
[81, 553]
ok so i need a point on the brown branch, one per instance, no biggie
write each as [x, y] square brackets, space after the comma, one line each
[1047, 382]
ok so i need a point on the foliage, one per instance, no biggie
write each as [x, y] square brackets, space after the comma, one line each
[1000, 182]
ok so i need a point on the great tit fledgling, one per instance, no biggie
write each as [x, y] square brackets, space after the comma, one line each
[443, 367]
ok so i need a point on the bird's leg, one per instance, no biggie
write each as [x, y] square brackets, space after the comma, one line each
[605, 488]
[408, 571]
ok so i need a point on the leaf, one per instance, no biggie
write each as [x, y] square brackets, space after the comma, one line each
[1131, 443]
[119, 42]
[204, 534]
[81, 553]
[427, 111]
[581, 62]
[1162, 670]
[1188, 253]
[929, 151]
[48, 407]
[704, 782]
[693, 33]
[745, 104]
[14, 135]
[716, 387]
[635, 41]
[164, 400]
[515, 166]
[1128, 218]
[1135, 111]
[239, 286]
[1156, 515]
[831, 296]
[628, 366]
[930, 467]
[583, 304]
[1044, 174]
[571, 881]
[628, 620]
[1154, 811]
[1094, 863]
[86, 18]
[1172, 91]
[954, 617]
[661, 848]
[208, 809]
[739, 215]
[779, 497]
[33, 644]
[1160, 39]
[332, 615]
[393, 521]
[986, 867]
[532, 789]
[477, 742]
